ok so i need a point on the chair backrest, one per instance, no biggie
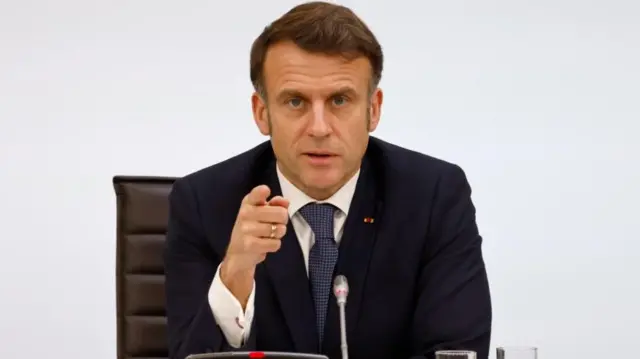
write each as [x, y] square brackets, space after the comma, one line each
[142, 211]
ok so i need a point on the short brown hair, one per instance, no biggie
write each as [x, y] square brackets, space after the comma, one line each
[318, 27]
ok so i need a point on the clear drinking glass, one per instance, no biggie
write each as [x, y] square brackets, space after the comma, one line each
[455, 354]
[517, 353]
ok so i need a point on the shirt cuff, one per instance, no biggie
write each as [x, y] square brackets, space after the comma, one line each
[227, 311]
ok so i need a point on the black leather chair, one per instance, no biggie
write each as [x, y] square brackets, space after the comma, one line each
[142, 210]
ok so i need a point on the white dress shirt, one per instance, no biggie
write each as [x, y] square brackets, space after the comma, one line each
[227, 311]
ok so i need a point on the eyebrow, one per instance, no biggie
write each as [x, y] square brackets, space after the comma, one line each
[345, 90]
[287, 93]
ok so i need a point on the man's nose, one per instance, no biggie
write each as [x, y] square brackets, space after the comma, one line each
[319, 126]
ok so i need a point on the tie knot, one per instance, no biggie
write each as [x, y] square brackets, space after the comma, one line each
[319, 216]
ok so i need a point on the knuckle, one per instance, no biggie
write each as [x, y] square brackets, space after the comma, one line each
[244, 212]
[245, 227]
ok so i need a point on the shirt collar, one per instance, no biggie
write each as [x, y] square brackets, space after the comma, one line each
[298, 199]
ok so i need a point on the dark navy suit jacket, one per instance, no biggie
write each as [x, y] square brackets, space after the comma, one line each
[416, 274]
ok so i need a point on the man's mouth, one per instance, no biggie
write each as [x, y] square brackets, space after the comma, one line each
[319, 154]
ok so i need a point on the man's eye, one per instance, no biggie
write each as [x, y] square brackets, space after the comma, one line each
[295, 102]
[339, 100]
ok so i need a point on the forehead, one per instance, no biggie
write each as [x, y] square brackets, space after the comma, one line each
[288, 66]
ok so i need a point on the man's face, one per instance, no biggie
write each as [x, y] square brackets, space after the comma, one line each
[319, 111]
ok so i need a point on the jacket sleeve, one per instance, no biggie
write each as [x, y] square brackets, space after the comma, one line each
[190, 266]
[454, 306]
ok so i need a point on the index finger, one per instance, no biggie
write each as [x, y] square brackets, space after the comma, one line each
[257, 196]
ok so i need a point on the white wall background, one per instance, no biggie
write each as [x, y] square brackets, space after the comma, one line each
[538, 100]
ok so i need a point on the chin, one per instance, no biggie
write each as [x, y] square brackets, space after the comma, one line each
[322, 180]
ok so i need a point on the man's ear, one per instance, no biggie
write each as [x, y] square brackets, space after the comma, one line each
[375, 109]
[260, 113]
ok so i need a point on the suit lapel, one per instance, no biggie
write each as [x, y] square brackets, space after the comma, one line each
[286, 267]
[356, 246]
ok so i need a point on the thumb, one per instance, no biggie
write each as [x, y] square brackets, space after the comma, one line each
[279, 201]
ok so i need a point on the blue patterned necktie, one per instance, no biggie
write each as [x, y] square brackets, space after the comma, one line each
[322, 257]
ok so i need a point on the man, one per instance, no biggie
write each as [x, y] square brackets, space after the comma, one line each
[254, 242]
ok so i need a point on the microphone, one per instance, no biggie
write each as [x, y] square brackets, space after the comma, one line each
[341, 291]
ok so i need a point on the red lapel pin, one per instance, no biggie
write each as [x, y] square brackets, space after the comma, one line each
[368, 219]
